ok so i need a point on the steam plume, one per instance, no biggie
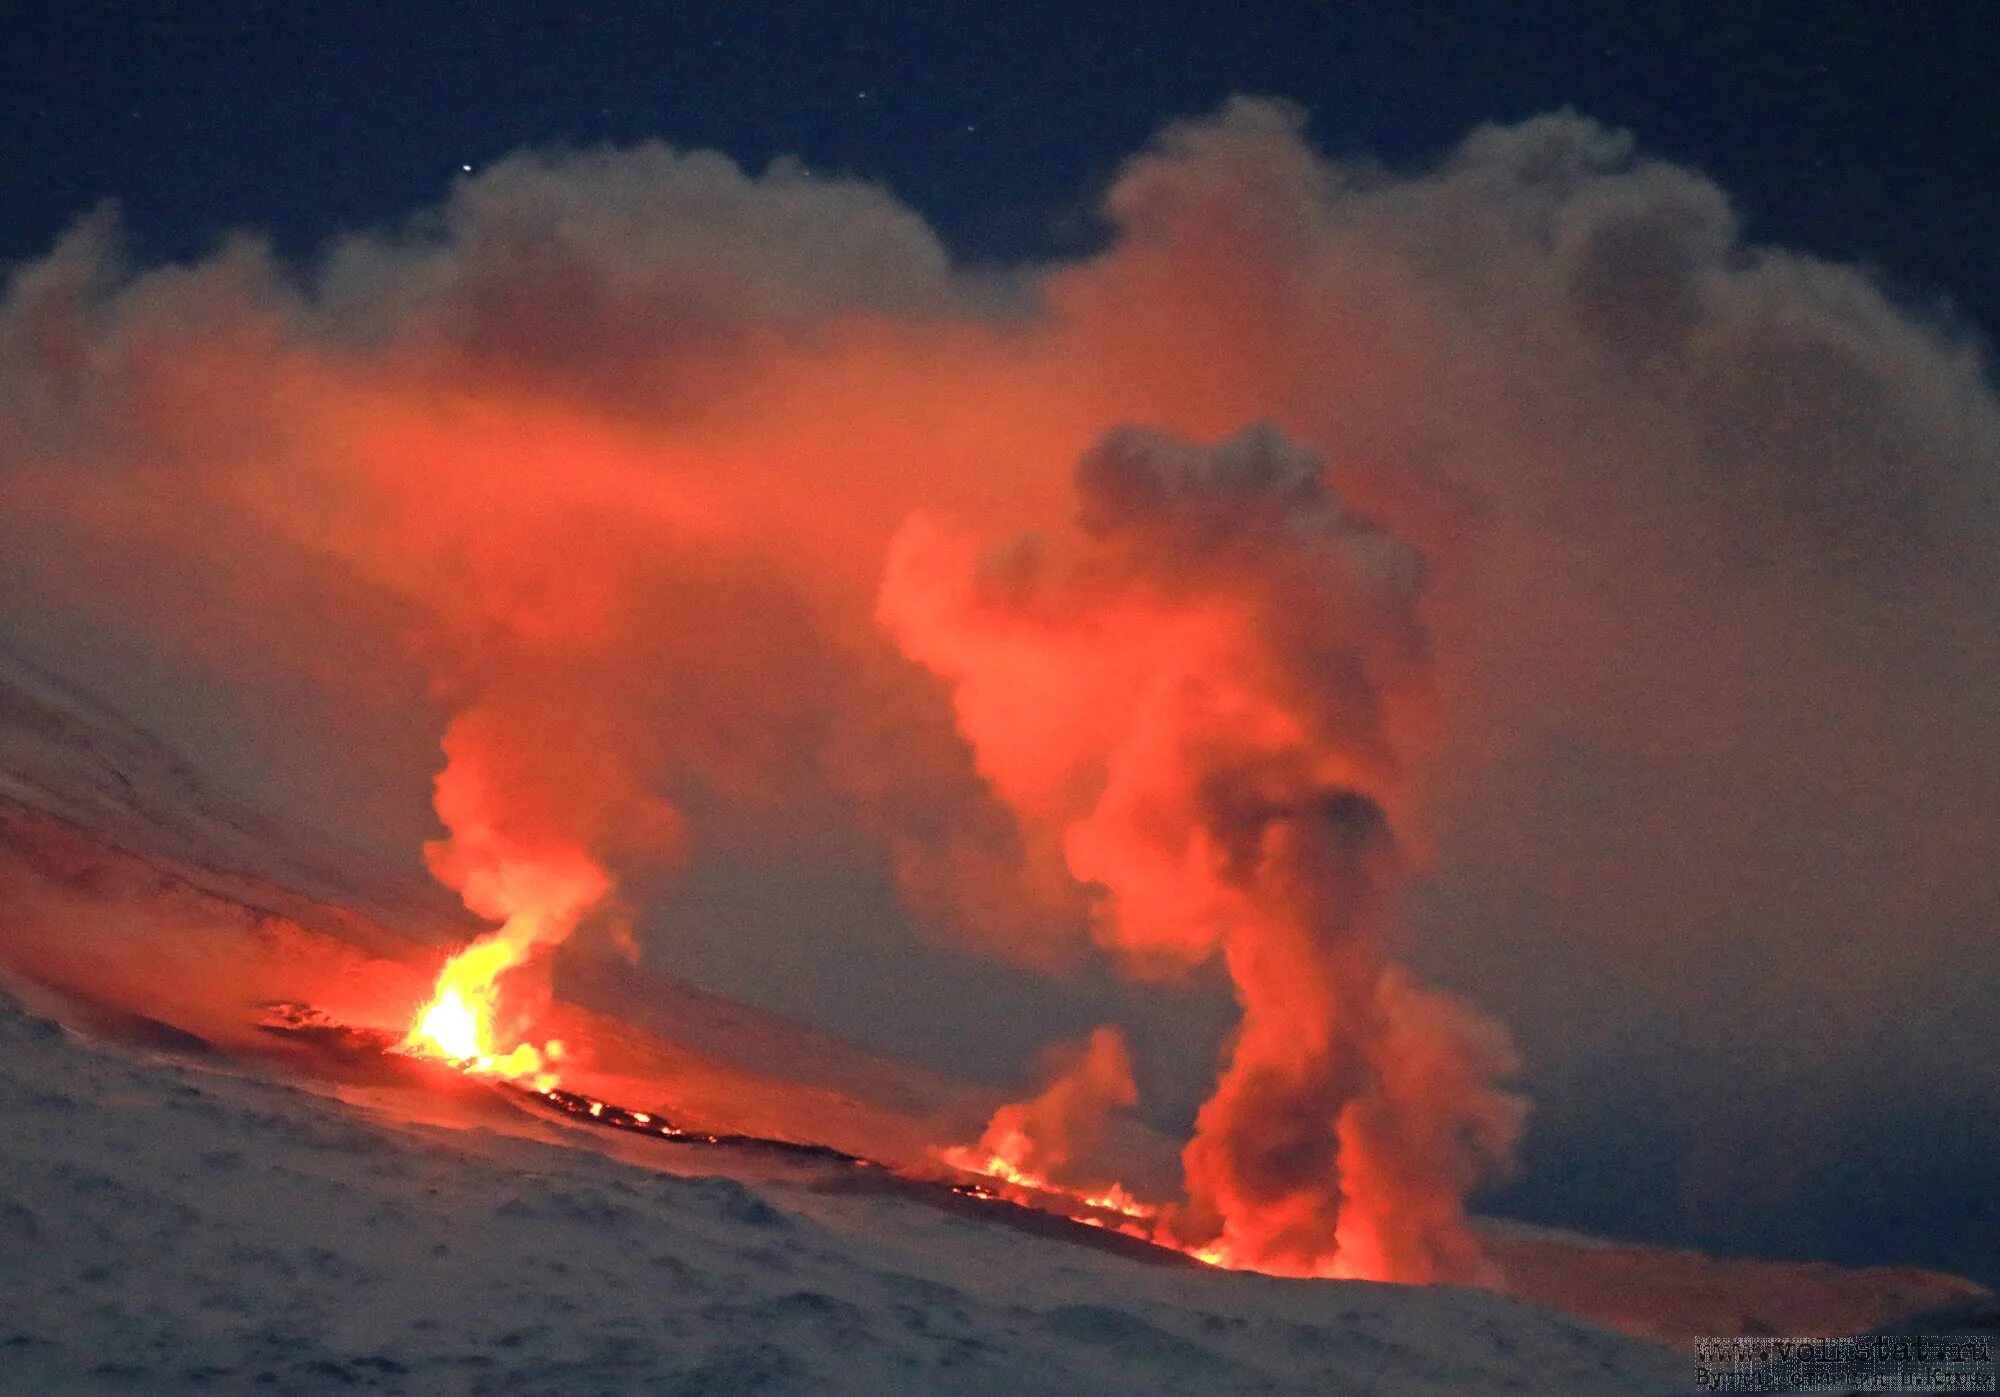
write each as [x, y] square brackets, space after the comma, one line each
[1208, 688]
[1040, 1139]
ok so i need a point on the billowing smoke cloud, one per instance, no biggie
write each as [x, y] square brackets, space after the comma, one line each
[591, 473]
[1211, 691]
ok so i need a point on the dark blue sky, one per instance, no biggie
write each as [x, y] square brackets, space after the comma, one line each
[1862, 130]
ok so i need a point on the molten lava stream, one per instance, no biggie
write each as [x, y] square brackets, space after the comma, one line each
[456, 1027]
[1112, 1199]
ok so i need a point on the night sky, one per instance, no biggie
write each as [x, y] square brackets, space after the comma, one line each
[1863, 131]
[1866, 132]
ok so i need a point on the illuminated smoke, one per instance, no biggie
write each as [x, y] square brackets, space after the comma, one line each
[536, 883]
[1208, 686]
[1035, 1142]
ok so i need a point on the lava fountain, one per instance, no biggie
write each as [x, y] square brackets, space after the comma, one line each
[537, 886]
[458, 1023]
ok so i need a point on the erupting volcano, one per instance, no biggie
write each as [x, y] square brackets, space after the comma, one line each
[1203, 698]
[757, 679]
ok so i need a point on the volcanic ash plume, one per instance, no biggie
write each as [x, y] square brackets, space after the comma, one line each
[1037, 1142]
[1205, 690]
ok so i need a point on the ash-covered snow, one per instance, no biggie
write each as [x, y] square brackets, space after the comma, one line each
[167, 1227]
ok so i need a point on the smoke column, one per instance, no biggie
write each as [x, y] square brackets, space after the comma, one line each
[1207, 687]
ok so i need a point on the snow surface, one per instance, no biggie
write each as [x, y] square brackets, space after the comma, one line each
[170, 1227]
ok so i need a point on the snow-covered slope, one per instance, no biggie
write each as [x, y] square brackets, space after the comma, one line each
[1675, 1295]
[172, 1229]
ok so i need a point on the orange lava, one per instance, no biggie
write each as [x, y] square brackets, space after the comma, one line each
[1112, 1199]
[457, 1025]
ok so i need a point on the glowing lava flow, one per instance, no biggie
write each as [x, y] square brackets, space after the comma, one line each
[990, 1160]
[1025, 1189]
[999, 1155]
[1113, 1199]
[455, 1027]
